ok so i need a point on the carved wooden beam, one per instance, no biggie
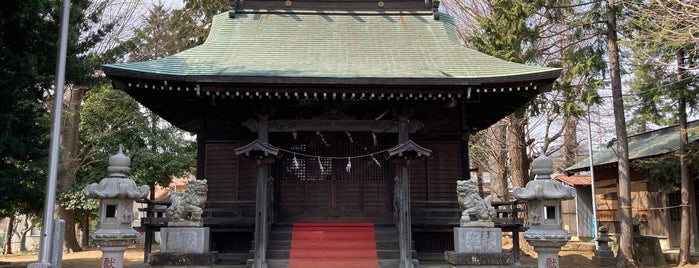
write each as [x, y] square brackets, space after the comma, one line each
[257, 148]
[409, 149]
[376, 126]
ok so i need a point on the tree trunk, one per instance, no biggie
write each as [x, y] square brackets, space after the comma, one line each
[625, 257]
[9, 230]
[72, 99]
[517, 148]
[85, 232]
[685, 222]
[497, 160]
[570, 141]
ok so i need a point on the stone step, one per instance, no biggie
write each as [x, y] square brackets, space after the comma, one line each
[387, 246]
[286, 244]
[380, 254]
[285, 263]
[382, 234]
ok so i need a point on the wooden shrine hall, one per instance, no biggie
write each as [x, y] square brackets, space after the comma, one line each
[331, 113]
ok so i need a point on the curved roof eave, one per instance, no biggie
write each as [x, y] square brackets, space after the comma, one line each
[548, 76]
[353, 49]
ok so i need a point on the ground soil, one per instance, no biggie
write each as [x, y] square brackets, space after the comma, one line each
[134, 255]
[88, 258]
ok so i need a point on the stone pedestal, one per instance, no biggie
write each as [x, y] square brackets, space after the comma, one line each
[478, 247]
[183, 260]
[547, 249]
[478, 260]
[183, 247]
[112, 256]
[478, 240]
[184, 239]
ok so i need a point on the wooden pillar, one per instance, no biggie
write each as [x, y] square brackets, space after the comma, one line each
[405, 235]
[463, 146]
[261, 217]
[465, 160]
[261, 198]
[403, 153]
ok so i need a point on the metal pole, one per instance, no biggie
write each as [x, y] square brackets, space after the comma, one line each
[592, 174]
[49, 201]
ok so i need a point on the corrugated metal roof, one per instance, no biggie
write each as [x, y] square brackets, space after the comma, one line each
[333, 45]
[647, 144]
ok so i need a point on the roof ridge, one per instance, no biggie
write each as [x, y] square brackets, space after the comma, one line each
[690, 124]
[332, 12]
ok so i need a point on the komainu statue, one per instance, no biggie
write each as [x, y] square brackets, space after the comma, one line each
[187, 207]
[471, 203]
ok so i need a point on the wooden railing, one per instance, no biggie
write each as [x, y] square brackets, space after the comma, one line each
[153, 220]
[229, 214]
[446, 214]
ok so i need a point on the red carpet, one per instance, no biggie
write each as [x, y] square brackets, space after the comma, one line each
[336, 245]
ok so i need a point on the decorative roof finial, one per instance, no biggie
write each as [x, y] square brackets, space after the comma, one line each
[119, 164]
[542, 167]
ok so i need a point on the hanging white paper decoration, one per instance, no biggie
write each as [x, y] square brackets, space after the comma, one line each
[322, 138]
[373, 136]
[349, 165]
[294, 134]
[375, 161]
[296, 163]
[349, 136]
[322, 170]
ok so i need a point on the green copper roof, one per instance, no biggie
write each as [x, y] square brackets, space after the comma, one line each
[647, 144]
[331, 47]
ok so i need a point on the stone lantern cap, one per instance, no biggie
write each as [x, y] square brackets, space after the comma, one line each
[117, 185]
[119, 164]
[542, 187]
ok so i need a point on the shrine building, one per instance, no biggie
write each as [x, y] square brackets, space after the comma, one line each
[346, 113]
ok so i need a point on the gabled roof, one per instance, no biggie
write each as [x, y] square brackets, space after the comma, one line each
[396, 48]
[647, 144]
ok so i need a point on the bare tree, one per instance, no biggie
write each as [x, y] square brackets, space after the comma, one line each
[517, 148]
[489, 153]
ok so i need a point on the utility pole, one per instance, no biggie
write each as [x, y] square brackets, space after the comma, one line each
[51, 180]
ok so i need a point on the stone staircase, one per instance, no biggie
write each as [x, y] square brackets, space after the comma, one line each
[279, 246]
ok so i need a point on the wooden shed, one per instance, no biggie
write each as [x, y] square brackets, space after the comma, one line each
[577, 212]
[657, 213]
[331, 112]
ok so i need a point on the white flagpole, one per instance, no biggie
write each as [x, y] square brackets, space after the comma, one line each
[49, 202]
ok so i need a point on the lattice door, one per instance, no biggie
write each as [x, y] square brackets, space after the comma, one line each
[315, 182]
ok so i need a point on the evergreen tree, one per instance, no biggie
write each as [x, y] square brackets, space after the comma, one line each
[666, 54]
[508, 34]
[26, 64]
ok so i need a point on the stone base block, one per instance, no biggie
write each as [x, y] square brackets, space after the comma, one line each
[647, 251]
[603, 261]
[183, 260]
[478, 240]
[184, 240]
[483, 260]
[480, 224]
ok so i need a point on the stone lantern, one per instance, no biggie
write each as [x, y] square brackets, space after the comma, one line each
[543, 197]
[117, 194]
